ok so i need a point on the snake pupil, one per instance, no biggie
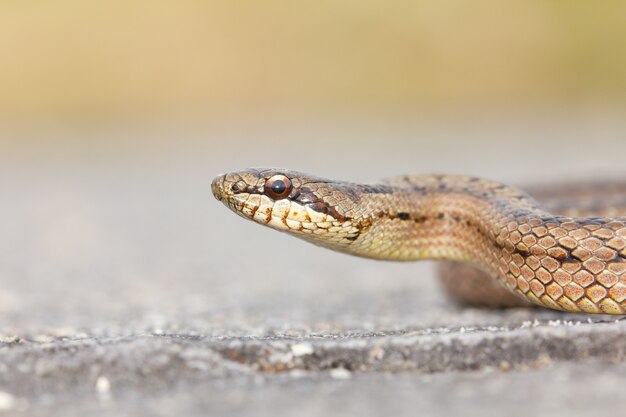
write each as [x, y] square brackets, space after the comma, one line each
[278, 187]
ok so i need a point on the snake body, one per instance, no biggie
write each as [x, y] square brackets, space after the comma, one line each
[557, 254]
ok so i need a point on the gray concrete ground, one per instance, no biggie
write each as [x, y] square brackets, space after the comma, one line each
[127, 290]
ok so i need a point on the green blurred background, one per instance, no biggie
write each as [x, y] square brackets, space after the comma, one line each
[74, 62]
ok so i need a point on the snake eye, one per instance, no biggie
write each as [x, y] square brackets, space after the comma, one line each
[278, 187]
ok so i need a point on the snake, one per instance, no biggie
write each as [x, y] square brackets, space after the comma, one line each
[561, 247]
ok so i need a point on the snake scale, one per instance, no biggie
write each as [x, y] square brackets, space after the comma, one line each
[563, 248]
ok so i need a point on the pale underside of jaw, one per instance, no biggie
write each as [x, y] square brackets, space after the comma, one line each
[288, 216]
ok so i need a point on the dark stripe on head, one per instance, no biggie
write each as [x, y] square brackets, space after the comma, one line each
[308, 198]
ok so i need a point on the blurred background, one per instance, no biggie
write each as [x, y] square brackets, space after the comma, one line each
[115, 116]
[71, 62]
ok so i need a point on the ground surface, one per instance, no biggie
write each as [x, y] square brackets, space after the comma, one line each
[127, 290]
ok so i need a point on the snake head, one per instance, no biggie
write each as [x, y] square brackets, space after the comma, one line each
[312, 208]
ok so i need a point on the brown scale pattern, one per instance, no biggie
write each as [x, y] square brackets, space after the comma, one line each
[546, 257]
[472, 286]
[563, 263]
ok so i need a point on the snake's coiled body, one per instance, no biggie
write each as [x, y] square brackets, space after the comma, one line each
[542, 253]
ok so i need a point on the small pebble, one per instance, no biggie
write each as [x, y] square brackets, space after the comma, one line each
[301, 349]
[103, 385]
[298, 373]
[9, 339]
[376, 353]
[340, 373]
[7, 401]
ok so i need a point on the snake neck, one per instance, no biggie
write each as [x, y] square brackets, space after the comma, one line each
[560, 262]
[451, 218]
